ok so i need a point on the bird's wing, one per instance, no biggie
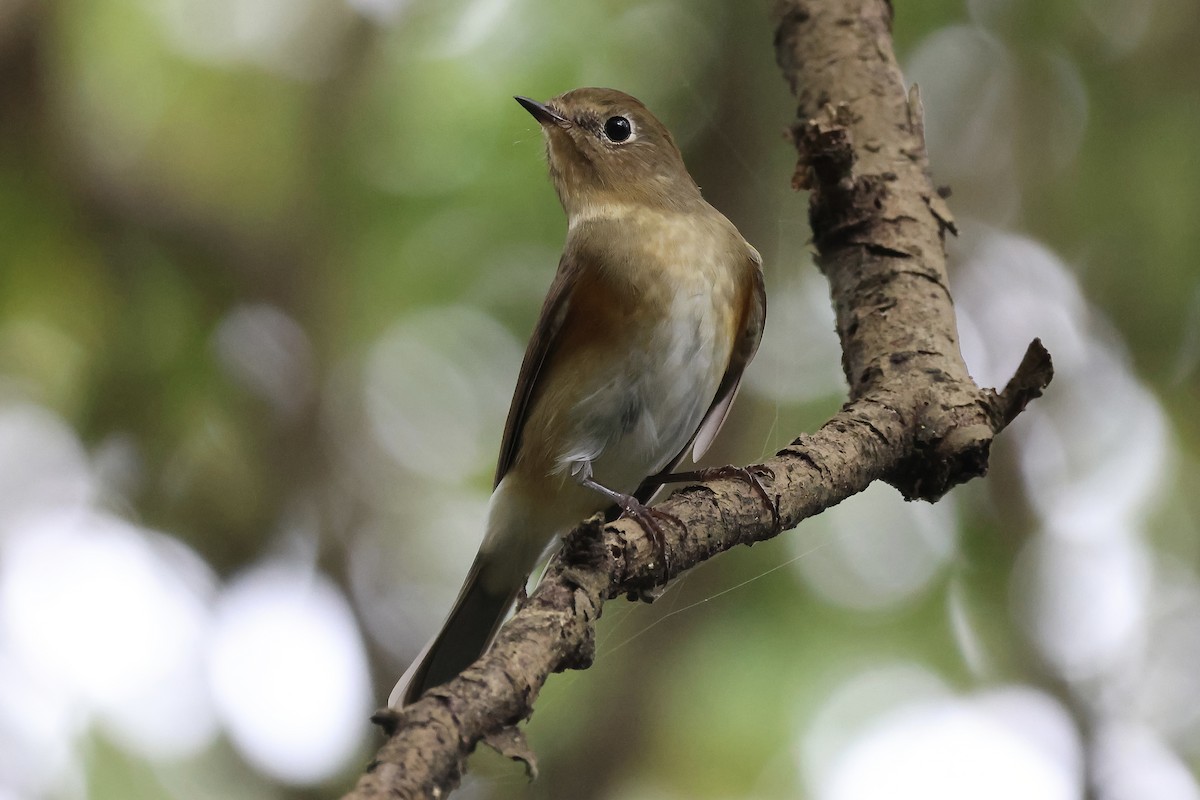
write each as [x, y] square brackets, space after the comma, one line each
[541, 345]
[749, 333]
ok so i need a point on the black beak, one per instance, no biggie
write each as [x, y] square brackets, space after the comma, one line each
[543, 113]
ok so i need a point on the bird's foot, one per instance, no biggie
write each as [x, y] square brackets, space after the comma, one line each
[746, 474]
[647, 516]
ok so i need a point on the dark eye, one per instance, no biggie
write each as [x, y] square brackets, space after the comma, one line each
[617, 129]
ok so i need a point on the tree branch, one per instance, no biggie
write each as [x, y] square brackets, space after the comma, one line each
[916, 419]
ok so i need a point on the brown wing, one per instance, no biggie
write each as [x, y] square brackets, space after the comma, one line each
[753, 318]
[541, 345]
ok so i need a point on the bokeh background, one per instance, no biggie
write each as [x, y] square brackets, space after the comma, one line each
[266, 272]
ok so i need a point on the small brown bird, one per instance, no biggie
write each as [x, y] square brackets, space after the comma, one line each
[657, 307]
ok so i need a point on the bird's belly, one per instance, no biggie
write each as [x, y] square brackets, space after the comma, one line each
[637, 418]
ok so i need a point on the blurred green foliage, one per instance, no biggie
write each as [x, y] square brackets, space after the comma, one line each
[163, 164]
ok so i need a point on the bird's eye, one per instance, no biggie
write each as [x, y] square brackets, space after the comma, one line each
[617, 129]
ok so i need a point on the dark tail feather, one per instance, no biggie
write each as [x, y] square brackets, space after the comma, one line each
[466, 634]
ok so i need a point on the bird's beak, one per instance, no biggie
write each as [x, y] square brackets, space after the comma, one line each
[543, 113]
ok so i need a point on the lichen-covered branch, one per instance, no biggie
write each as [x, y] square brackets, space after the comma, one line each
[915, 417]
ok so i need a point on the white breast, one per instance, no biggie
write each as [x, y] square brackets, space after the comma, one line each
[636, 420]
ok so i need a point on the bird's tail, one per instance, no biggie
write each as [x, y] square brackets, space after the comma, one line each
[466, 634]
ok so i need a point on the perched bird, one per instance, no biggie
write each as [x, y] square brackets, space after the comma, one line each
[657, 307]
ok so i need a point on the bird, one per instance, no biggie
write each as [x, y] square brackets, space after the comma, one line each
[656, 308]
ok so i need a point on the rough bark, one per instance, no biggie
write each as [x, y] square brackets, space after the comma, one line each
[915, 418]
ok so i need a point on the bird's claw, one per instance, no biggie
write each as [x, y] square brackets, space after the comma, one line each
[750, 475]
[647, 517]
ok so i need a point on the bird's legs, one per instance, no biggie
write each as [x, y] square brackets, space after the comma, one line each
[647, 516]
[746, 474]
